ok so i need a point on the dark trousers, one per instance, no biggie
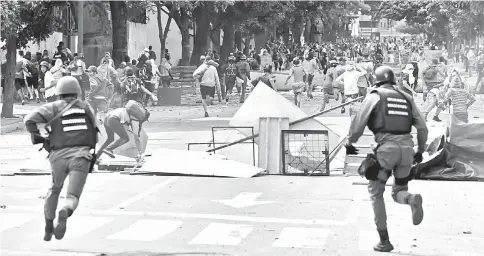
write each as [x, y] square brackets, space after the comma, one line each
[113, 126]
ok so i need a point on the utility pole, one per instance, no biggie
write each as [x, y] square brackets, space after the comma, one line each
[80, 27]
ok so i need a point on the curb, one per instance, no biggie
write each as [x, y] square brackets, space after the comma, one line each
[13, 127]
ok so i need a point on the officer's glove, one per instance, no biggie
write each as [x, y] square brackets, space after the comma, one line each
[417, 158]
[351, 150]
[37, 138]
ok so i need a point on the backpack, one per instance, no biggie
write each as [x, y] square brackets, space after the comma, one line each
[231, 72]
[138, 112]
[145, 73]
[431, 73]
[133, 85]
[33, 68]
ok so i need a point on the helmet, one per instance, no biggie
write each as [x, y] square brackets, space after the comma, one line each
[68, 85]
[384, 74]
[44, 63]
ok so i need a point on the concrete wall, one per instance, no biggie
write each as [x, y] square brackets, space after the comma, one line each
[97, 37]
[141, 36]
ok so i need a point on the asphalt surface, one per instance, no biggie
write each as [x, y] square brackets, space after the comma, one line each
[270, 215]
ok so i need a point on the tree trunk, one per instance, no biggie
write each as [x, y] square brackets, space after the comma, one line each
[297, 29]
[228, 41]
[285, 34]
[200, 44]
[238, 40]
[9, 88]
[162, 34]
[183, 22]
[215, 38]
[307, 30]
[119, 17]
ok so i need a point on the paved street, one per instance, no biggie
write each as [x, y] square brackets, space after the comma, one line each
[287, 216]
[271, 215]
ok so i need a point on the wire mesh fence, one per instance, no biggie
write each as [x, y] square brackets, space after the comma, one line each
[305, 152]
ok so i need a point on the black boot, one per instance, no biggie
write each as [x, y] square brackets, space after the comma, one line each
[49, 230]
[384, 245]
[60, 229]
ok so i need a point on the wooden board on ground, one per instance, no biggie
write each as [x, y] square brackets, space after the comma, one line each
[171, 161]
[265, 102]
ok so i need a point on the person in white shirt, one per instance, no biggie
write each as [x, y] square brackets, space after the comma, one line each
[350, 81]
[207, 77]
[77, 69]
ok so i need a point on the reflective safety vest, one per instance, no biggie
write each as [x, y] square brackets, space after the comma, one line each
[393, 114]
[73, 128]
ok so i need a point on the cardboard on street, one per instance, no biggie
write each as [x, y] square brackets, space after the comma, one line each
[196, 163]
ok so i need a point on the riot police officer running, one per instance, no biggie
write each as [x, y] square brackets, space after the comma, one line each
[72, 139]
[390, 114]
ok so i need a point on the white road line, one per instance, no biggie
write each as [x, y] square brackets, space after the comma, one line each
[366, 240]
[206, 216]
[78, 226]
[313, 238]
[5, 252]
[144, 194]
[355, 208]
[147, 230]
[222, 234]
[11, 220]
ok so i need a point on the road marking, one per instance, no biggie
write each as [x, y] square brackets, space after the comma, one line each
[355, 208]
[147, 230]
[78, 226]
[11, 220]
[144, 194]
[207, 216]
[222, 234]
[49, 253]
[244, 199]
[313, 238]
[366, 240]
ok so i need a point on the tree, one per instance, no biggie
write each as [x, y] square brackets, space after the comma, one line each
[119, 18]
[23, 21]
[163, 33]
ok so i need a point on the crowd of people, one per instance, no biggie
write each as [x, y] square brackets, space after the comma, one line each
[347, 69]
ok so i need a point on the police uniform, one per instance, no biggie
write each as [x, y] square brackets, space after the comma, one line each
[390, 114]
[73, 135]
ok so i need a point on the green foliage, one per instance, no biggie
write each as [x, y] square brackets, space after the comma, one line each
[438, 19]
[29, 20]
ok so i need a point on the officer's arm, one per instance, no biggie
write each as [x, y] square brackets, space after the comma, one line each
[419, 123]
[42, 114]
[361, 118]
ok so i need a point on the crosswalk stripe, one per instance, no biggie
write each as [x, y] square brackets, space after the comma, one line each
[11, 220]
[222, 234]
[81, 225]
[314, 238]
[4, 252]
[367, 239]
[147, 230]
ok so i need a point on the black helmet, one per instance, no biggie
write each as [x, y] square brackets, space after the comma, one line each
[384, 74]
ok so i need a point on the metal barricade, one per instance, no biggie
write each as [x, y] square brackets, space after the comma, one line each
[305, 152]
